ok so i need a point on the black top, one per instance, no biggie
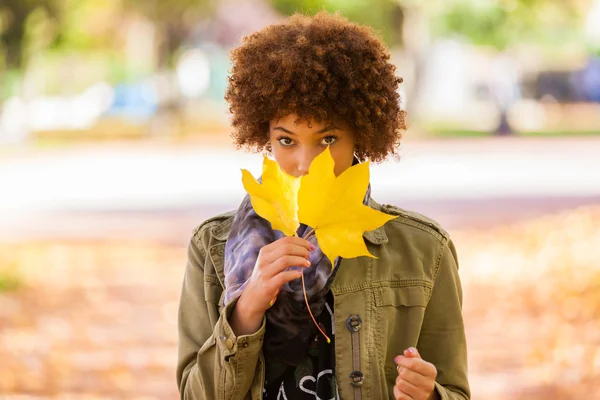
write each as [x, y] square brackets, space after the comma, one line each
[315, 376]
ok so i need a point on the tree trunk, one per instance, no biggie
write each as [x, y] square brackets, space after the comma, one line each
[504, 128]
[14, 35]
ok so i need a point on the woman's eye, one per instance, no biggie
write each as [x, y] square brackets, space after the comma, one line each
[329, 140]
[285, 141]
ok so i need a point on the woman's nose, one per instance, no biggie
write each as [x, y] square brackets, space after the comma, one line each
[304, 160]
[302, 168]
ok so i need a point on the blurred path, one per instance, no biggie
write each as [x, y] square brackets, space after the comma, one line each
[163, 191]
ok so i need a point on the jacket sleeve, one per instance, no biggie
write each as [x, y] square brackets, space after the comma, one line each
[442, 341]
[212, 363]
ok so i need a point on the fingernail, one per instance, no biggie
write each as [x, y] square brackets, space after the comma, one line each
[307, 263]
[312, 247]
[396, 360]
[299, 274]
[412, 350]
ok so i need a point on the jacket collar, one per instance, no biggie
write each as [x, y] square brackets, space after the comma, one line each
[377, 236]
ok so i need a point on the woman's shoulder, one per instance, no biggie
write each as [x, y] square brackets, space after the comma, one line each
[414, 236]
[215, 228]
[407, 220]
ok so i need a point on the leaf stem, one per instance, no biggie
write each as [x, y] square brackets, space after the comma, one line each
[306, 298]
[309, 233]
[310, 312]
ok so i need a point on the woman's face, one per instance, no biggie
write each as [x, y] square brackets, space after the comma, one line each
[294, 145]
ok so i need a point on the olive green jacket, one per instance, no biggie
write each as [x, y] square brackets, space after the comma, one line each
[409, 296]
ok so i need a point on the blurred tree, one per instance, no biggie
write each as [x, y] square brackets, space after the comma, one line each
[385, 16]
[173, 21]
[502, 23]
[505, 23]
[87, 24]
[14, 17]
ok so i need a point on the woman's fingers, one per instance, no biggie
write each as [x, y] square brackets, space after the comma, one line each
[417, 364]
[416, 377]
[286, 249]
[282, 254]
[271, 269]
[412, 377]
[407, 383]
[282, 263]
[286, 276]
[293, 240]
[399, 395]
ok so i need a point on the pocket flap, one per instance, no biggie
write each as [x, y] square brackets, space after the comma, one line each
[407, 296]
[213, 292]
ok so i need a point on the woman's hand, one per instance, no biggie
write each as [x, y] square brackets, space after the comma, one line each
[416, 377]
[269, 274]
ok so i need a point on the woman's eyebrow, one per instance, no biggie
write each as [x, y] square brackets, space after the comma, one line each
[328, 128]
[324, 130]
[279, 128]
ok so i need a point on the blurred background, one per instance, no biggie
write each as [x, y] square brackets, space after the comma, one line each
[114, 145]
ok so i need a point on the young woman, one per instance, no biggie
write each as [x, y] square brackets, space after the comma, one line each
[395, 322]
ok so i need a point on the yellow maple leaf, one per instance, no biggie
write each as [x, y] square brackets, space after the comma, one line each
[276, 199]
[333, 207]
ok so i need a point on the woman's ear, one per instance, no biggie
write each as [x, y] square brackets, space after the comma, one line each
[268, 149]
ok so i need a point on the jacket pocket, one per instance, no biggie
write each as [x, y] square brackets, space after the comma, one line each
[400, 312]
[408, 296]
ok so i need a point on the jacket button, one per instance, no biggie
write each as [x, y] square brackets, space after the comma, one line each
[229, 344]
[357, 378]
[354, 323]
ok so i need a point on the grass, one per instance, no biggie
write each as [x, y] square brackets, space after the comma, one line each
[9, 282]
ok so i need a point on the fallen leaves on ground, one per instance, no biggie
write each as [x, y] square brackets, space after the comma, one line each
[532, 306]
[90, 320]
[98, 320]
